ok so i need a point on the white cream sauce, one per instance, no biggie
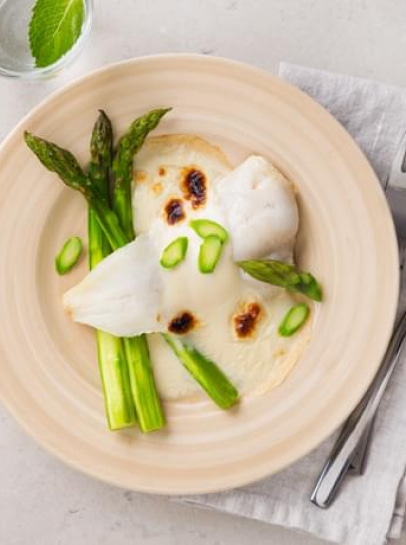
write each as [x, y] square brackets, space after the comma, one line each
[130, 293]
[255, 364]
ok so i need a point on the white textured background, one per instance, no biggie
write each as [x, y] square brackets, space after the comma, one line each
[41, 501]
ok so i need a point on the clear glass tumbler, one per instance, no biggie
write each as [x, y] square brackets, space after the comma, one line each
[15, 56]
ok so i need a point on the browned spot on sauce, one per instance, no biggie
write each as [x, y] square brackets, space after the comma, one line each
[140, 176]
[194, 186]
[161, 171]
[245, 322]
[174, 211]
[182, 323]
[157, 188]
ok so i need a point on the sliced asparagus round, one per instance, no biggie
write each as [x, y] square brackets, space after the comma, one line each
[204, 228]
[294, 320]
[174, 253]
[209, 254]
[69, 255]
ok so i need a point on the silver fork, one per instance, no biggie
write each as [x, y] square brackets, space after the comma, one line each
[348, 455]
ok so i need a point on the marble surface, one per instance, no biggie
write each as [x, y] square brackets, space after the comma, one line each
[42, 502]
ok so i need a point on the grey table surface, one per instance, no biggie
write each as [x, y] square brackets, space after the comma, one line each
[42, 502]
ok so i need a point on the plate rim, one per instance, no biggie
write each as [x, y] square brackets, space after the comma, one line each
[338, 417]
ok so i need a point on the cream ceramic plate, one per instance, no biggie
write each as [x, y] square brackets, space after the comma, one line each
[49, 376]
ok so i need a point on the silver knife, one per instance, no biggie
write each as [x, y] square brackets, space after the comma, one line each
[351, 445]
[395, 189]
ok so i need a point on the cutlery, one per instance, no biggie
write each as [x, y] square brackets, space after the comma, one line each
[348, 455]
[354, 428]
[359, 458]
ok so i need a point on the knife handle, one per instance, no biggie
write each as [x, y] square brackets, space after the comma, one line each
[340, 457]
[395, 188]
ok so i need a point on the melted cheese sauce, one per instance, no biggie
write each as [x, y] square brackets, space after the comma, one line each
[255, 364]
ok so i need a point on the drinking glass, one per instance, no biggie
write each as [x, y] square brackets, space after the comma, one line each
[15, 56]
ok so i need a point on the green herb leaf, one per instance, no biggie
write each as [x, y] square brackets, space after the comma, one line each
[54, 28]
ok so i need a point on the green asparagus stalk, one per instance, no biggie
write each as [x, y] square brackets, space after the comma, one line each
[208, 375]
[110, 351]
[63, 163]
[141, 379]
[101, 151]
[205, 372]
[283, 275]
[127, 147]
[145, 394]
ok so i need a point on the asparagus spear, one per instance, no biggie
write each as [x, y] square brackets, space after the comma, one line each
[209, 376]
[145, 396]
[127, 147]
[63, 163]
[112, 364]
[101, 151]
[284, 275]
[143, 386]
[206, 372]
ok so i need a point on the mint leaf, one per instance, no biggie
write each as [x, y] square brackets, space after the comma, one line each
[54, 28]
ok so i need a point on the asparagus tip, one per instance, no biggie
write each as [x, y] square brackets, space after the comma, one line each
[31, 140]
[103, 114]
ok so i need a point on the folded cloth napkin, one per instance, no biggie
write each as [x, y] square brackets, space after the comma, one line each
[370, 509]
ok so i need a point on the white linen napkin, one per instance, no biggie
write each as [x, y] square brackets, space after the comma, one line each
[369, 508]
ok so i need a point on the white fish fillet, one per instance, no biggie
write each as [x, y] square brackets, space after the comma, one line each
[122, 294]
[260, 208]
